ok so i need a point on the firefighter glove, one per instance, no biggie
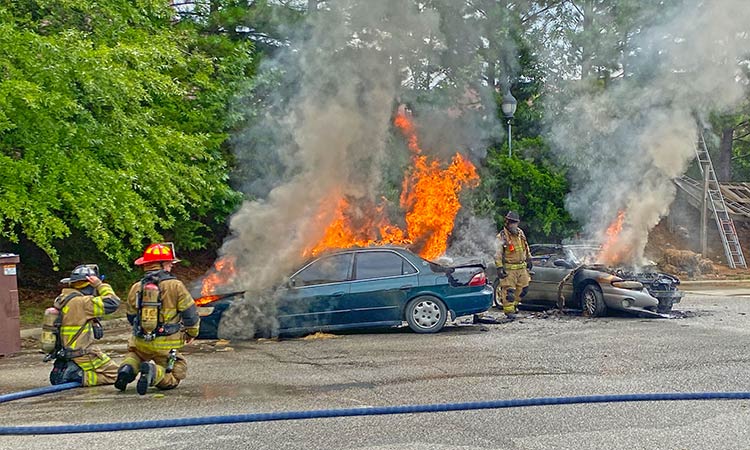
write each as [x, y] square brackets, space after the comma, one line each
[501, 273]
[94, 281]
[529, 265]
[191, 332]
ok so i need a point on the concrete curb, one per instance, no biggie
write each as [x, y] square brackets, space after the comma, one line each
[107, 324]
[697, 284]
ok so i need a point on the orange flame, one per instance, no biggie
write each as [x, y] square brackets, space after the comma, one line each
[223, 271]
[613, 251]
[429, 196]
[206, 299]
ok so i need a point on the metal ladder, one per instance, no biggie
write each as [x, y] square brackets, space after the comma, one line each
[716, 203]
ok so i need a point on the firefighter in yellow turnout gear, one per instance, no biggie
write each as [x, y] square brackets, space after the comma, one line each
[513, 261]
[164, 318]
[84, 300]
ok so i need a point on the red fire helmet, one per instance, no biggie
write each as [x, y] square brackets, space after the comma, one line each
[157, 253]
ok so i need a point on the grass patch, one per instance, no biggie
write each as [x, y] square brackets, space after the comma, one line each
[32, 315]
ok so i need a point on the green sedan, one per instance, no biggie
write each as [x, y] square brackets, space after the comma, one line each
[367, 287]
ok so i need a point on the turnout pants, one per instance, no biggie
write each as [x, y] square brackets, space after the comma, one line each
[162, 380]
[105, 374]
[513, 288]
[92, 369]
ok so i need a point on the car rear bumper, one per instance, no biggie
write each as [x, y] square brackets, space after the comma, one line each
[470, 303]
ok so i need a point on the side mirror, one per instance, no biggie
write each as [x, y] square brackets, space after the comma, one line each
[562, 263]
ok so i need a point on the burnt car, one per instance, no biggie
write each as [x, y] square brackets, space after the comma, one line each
[597, 288]
[367, 287]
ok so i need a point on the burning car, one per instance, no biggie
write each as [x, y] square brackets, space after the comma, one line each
[367, 287]
[565, 271]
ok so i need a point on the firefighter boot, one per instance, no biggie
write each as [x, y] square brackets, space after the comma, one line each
[509, 305]
[125, 375]
[148, 373]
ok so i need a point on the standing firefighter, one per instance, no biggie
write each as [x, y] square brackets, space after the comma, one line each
[164, 318]
[513, 262]
[72, 325]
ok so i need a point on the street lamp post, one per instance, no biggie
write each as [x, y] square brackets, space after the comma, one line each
[509, 105]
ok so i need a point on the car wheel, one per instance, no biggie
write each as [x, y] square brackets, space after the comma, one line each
[426, 314]
[495, 297]
[592, 301]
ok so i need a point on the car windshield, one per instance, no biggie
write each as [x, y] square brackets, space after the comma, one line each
[583, 254]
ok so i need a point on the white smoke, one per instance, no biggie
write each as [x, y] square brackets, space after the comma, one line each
[327, 126]
[338, 126]
[625, 143]
[474, 240]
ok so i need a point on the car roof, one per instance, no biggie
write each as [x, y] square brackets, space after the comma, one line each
[342, 251]
[357, 249]
[581, 245]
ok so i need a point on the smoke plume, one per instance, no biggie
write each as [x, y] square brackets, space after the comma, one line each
[337, 127]
[327, 104]
[626, 143]
[474, 240]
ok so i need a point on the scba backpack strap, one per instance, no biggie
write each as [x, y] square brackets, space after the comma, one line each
[56, 329]
[149, 304]
[504, 239]
[507, 239]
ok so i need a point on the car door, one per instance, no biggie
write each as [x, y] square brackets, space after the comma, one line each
[381, 285]
[539, 287]
[314, 297]
[547, 277]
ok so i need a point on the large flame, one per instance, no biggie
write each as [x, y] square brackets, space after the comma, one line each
[222, 271]
[429, 197]
[614, 250]
[352, 227]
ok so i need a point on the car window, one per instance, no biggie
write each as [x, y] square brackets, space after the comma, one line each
[549, 261]
[381, 264]
[408, 268]
[329, 269]
[542, 250]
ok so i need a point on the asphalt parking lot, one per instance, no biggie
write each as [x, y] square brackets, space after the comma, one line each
[540, 355]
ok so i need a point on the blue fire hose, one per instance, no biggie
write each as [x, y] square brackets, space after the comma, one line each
[368, 411]
[39, 391]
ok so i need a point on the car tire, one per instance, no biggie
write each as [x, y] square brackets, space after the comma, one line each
[495, 300]
[426, 314]
[592, 301]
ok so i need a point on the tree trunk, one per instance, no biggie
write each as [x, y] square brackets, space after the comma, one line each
[491, 75]
[312, 5]
[588, 32]
[724, 171]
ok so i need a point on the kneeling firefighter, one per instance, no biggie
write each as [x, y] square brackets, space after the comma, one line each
[164, 318]
[71, 326]
[513, 261]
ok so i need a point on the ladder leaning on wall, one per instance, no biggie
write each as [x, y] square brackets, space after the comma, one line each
[718, 206]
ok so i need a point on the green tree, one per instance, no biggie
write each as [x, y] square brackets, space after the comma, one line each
[538, 190]
[592, 39]
[267, 24]
[112, 124]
